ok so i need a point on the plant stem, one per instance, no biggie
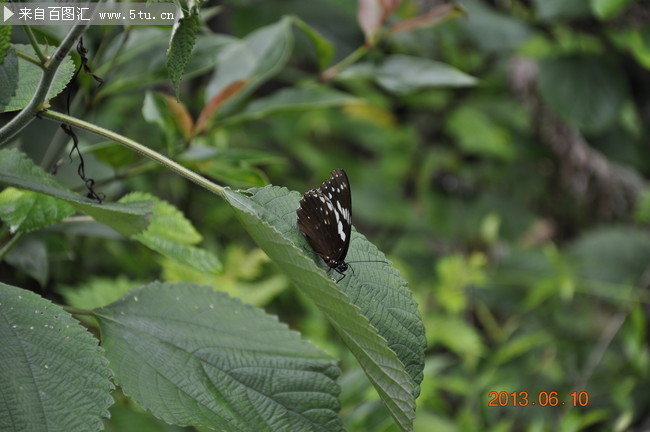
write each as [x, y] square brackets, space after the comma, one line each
[133, 145]
[24, 117]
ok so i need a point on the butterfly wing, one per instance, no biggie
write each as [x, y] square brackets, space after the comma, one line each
[324, 217]
[337, 190]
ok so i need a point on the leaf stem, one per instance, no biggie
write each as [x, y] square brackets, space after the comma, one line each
[30, 59]
[350, 59]
[77, 311]
[35, 45]
[134, 145]
[7, 247]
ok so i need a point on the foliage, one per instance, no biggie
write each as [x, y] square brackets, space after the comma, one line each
[497, 155]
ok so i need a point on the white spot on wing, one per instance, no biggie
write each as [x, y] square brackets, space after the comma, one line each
[345, 212]
[339, 224]
[341, 233]
[346, 215]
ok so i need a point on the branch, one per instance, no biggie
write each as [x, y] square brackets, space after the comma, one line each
[133, 145]
[614, 188]
[35, 105]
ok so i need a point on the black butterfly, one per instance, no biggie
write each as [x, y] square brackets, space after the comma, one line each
[325, 218]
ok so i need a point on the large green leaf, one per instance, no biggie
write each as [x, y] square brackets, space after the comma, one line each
[140, 61]
[52, 373]
[403, 74]
[19, 171]
[293, 100]
[29, 75]
[193, 356]
[173, 236]
[252, 60]
[371, 308]
[585, 91]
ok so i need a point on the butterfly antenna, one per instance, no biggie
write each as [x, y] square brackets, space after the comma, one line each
[367, 261]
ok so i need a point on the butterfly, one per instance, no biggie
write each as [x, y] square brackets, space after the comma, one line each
[325, 218]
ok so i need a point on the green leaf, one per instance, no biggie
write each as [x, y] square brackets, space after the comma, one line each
[253, 60]
[457, 335]
[124, 59]
[52, 373]
[235, 175]
[97, 292]
[155, 111]
[293, 100]
[5, 41]
[492, 31]
[180, 48]
[8, 78]
[636, 41]
[455, 273]
[25, 211]
[521, 345]
[605, 9]
[193, 356]
[30, 255]
[29, 75]
[171, 235]
[19, 171]
[613, 254]
[324, 49]
[244, 275]
[128, 417]
[477, 132]
[585, 91]
[232, 166]
[199, 152]
[642, 210]
[552, 9]
[371, 308]
[403, 74]
[170, 117]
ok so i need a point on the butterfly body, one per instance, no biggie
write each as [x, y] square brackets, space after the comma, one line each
[325, 219]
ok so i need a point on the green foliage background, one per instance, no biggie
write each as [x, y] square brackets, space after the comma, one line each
[499, 160]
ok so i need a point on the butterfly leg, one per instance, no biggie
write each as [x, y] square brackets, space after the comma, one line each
[342, 275]
[351, 268]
